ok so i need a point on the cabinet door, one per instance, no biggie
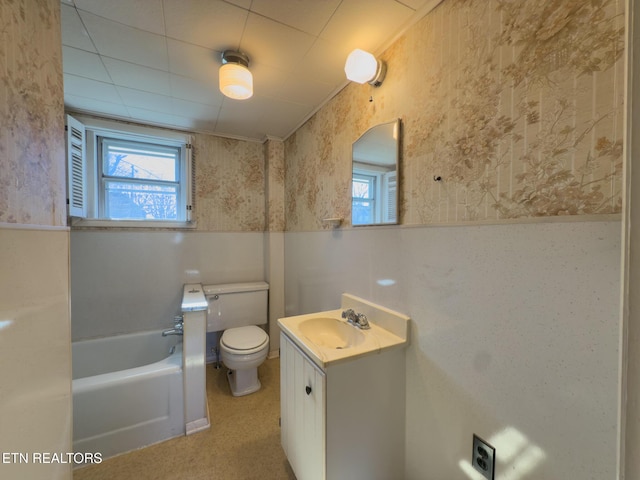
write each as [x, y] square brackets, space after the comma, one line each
[302, 397]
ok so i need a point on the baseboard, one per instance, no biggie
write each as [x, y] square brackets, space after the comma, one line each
[273, 354]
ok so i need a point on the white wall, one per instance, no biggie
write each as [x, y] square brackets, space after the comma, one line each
[124, 281]
[515, 335]
[274, 275]
[35, 355]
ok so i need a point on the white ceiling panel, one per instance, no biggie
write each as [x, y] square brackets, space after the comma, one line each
[187, 88]
[310, 17]
[85, 87]
[246, 4]
[211, 24]
[267, 81]
[125, 74]
[266, 116]
[194, 124]
[83, 63]
[236, 116]
[73, 32]
[325, 62]
[285, 47]
[304, 90]
[195, 110]
[146, 100]
[157, 61]
[367, 24]
[84, 104]
[142, 14]
[193, 61]
[418, 4]
[151, 117]
[278, 124]
[126, 43]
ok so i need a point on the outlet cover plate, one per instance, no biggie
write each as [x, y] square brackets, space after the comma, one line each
[484, 457]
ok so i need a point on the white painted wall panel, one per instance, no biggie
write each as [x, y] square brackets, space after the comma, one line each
[124, 281]
[35, 353]
[514, 336]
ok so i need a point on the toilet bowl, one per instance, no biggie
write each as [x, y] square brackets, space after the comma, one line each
[242, 350]
[236, 310]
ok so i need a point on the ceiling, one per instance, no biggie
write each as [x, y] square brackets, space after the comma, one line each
[156, 61]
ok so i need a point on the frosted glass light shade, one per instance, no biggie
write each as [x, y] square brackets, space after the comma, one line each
[361, 66]
[236, 81]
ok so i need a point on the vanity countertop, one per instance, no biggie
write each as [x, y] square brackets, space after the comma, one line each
[388, 330]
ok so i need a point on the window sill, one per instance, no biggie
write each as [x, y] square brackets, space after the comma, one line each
[154, 224]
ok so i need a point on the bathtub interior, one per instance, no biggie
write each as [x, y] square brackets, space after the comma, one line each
[97, 356]
[120, 411]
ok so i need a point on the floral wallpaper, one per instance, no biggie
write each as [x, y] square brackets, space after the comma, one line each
[230, 184]
[274, 191]
[517, 106]
[32, 165]
[230, 174]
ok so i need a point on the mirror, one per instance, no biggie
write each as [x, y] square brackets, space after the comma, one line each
[374, 175]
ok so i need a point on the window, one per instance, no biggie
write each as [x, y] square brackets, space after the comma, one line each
[364, 199]
[135, 176]
[374, 199]
[139, 181]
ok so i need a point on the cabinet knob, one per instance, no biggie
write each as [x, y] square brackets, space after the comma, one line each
[308, 390]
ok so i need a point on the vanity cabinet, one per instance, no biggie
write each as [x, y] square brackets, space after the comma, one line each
[345, 420]
[302, 404]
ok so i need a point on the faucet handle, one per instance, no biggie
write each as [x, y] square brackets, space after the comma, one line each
[362, 321]
[348, 313]
[178, 320]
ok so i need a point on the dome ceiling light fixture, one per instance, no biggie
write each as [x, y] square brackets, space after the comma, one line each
[363, 67]
[234, 76]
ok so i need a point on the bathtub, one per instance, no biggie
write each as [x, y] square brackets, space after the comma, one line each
[127, 392]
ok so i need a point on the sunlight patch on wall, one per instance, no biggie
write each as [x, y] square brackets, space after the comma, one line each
[5, 324]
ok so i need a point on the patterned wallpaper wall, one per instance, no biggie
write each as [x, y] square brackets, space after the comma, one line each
[230, 184]
[274, 188]
[518, 106]
[32, 167]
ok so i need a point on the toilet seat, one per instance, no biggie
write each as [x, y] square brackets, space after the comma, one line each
[244, 340]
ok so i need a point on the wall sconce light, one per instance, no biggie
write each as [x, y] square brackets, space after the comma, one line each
[235, 78]
[363, 67]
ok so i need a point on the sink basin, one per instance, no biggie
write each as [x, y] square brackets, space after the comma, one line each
[330, 332]
[329, 340]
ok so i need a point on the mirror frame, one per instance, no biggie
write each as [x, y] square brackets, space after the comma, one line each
[396, 126]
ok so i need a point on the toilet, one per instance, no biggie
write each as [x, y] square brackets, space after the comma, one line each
[236, 309]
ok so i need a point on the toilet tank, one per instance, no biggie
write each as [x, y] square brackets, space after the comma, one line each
[236, 305]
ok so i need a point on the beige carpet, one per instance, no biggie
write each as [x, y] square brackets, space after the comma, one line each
[243, 442]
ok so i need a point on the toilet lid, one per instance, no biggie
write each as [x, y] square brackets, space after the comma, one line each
[244, 338]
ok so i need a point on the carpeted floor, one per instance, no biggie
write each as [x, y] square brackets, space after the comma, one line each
[243, 442]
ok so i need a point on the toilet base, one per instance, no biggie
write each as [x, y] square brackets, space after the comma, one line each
[243, 381]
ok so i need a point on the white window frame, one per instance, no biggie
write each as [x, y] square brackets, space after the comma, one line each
[96, 128]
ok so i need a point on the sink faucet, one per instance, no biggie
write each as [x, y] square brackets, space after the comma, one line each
[177, 329]
[356, 319]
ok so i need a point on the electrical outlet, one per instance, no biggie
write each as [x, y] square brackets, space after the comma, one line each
[484, 457]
